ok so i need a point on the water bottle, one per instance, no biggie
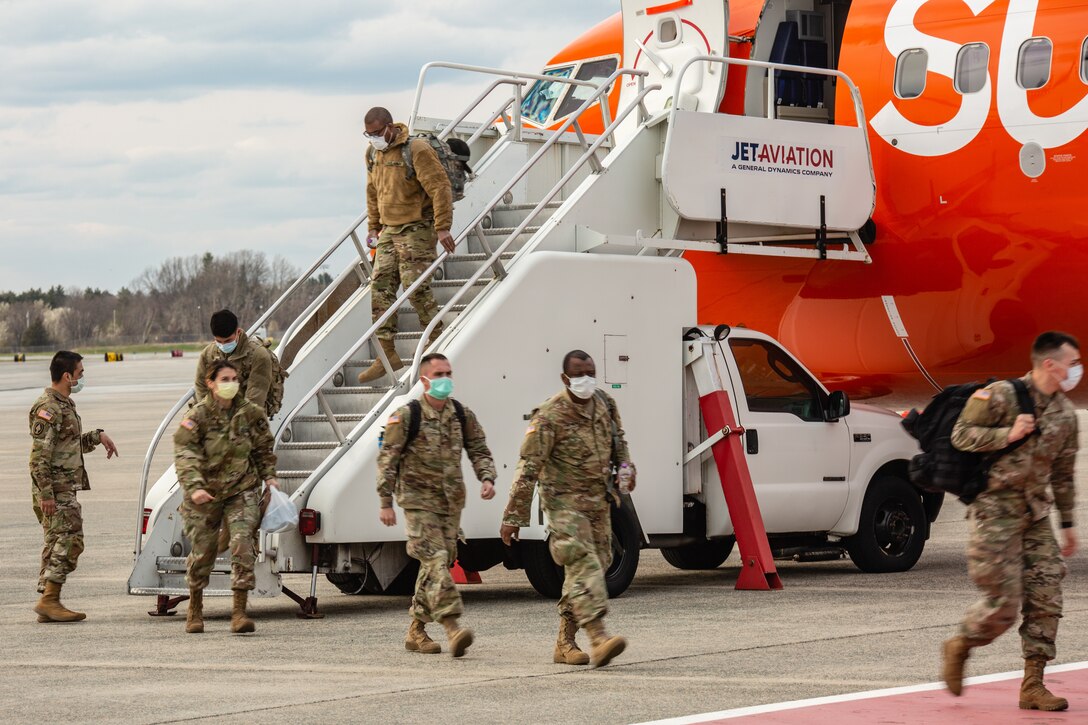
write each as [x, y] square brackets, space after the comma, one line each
[624, 476]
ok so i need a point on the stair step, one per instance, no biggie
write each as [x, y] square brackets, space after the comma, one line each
[340, 417]
[307, 446]
[409, 310]
[178, 563]
[364, 389]
[293, 474]
[507, 231]
[180, 592]
[460, 282]
[478, 257]
[527, 207]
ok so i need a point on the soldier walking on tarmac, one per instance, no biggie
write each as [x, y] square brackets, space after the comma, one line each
[420, 463]
[568, 451]
[222, 452]
[56, 473]
[408, 209]
[1012, 555]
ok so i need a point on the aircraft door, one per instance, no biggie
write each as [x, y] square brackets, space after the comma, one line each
[660, 36]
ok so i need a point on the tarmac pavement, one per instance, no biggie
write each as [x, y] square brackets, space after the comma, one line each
[695, 644]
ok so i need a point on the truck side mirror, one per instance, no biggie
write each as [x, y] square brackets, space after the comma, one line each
[838, 406]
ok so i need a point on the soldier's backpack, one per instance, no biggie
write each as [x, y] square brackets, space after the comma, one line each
[415, 415]
[941, 467]
[453, 153]
[274, 401]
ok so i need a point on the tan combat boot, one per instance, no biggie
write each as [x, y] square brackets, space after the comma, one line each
[602, 648]
[955, 650]
[566, 649]
[194, 618]
[418, 641]
[49, 608]
[1033, 693]
[376, 369]
[239, 622]
[460, 637]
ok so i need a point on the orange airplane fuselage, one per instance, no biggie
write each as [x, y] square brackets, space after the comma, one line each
[979, 250]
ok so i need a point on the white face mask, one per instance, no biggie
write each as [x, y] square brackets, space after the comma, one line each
[583, 386]
[378, 142]
[1076, 372]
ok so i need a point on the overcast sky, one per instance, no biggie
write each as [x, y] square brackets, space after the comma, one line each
[135, 131]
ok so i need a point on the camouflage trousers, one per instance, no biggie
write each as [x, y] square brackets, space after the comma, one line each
[581, 542]
[63, 534]
[432, 539]
[400, 258]
[1016, 563]
[242, 515]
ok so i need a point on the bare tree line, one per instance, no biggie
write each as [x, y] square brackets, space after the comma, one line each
[168, 303]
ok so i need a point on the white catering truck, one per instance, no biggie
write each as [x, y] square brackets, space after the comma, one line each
[572, 240]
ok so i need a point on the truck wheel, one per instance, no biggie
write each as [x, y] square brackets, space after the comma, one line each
[547, 577]
[702, 555]
[892, 530]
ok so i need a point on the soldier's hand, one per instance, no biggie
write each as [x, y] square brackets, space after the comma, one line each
[487, 491]
[49, 507]
[108, 444]
[272, 483]
[446, 240]
[1023, 426]
[1069, 542]
[387, 516]
[508, 532]
[372, 238]
[200, 497]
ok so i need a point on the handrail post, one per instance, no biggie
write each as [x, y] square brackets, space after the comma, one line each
[517, 112]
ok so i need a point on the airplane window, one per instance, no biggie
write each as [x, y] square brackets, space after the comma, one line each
[594, 71]
[773, 382]
[542, 95]
[1033, 63]
[971, 64]
[910, 72]
[1084, 61]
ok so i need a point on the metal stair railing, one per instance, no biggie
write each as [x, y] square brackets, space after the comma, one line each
[512, 78]
[315, 392]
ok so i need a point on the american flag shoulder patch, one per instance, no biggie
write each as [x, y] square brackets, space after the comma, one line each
[188, 424]
[45, 414]
[395, 418]
[982, 394]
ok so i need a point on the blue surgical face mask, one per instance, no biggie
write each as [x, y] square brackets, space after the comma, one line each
[441, 388]
[77, 386]
[227, 347]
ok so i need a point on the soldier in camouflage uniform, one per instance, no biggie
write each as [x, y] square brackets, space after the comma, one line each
[56, 473]
[568, 451]
[426, 479]
[252, 359]
[405, 217]
[222, 452]
[1012, 555]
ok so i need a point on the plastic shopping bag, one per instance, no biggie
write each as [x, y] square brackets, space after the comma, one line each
[281, 515]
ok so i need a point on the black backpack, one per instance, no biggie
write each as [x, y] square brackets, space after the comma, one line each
[941, 467]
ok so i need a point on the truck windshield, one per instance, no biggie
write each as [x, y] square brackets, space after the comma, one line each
[774, 382]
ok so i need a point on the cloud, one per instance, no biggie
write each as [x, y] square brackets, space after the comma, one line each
[137, 131]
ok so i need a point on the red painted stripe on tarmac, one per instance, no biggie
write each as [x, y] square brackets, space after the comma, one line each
[986, 700]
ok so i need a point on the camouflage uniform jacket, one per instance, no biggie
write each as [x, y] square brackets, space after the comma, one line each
[567, 449]
[56, 454]
[1044, 462]
[254, 369]
[428, 475]
[394, 200]
[221, 451]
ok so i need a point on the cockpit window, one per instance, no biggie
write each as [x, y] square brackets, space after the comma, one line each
[538, 103]
[594, 71]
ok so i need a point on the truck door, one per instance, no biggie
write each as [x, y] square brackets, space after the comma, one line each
[799, 462]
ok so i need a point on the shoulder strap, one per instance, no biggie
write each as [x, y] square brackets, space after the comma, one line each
[406, 152]
[1027, 405]
[603, 398]
[415, 412]
[460, 411]
[369, 158]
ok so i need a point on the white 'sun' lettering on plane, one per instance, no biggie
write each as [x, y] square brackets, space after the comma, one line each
[1017, 118]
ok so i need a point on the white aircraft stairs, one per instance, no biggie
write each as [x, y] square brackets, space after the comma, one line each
[650, 185]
